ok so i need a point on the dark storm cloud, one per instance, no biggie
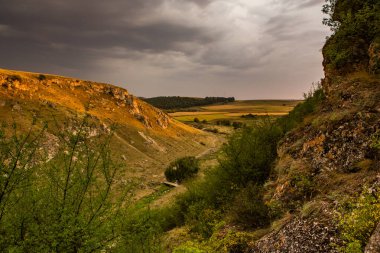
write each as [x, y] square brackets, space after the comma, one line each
[101, 25]
[159, 43]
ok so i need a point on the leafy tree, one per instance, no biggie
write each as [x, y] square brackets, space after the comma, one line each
[182, 169]
[70, 203]
[356, 24]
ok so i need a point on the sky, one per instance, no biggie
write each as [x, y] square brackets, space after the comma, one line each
[249, 49]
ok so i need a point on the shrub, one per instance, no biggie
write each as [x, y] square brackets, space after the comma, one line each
[203, 219]
[13, 78]
[250, 154]
[355, 24]
[303, 186]
[313, 100]
[223, 122]
[141, 231]
[196, 120]
[41, 77]
[182, 169]
[248, 208]
[358, 218]
[67, 203]
[237, 125]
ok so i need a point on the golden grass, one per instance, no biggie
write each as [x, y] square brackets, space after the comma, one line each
[235, 110]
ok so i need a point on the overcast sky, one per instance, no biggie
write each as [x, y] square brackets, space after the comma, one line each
[249, 49]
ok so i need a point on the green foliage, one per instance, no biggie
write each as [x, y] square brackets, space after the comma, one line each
[61, 202]
[248, 158]
[313, 100]
[141, 232]
[250, 154]
[232, 241]
[356, 23]
[358, 219]
[237, 125]
[189, 247]
[303, 186]
[376, 141]
[182, 169]
[248, 208]
[202, 219]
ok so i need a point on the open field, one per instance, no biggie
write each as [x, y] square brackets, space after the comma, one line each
[235, 110]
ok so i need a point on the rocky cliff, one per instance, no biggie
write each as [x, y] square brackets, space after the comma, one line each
[330, 164]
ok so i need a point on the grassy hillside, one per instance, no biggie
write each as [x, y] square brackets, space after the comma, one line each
[145, 139]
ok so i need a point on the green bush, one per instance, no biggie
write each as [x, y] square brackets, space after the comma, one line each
[355, 24]
[250, 154]
[141, 231]
[202, 219]
[237, 125]
[65, 203]
[182, 169]
[313, 99]
[248, 208]
[358, 219]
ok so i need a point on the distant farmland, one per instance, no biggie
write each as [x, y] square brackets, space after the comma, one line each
[235, 110]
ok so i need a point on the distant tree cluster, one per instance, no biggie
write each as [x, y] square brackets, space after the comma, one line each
[168, 103]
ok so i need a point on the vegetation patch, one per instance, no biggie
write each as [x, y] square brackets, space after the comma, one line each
[182, 169]
[358, 219]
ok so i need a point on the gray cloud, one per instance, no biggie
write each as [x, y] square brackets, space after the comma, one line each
[299, 4]
[165, 45]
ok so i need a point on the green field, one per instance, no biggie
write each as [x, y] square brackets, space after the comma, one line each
[235, 110]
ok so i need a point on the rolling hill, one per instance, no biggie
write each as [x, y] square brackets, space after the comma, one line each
[145, 140]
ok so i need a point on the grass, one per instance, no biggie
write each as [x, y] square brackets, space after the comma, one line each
[60, 99]
[147, 200]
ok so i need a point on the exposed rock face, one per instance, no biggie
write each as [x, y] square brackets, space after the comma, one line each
[373, 245]
[30, 86]
[312, 235]
[337, 146]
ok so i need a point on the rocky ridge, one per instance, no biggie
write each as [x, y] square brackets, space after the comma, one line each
[331, 155]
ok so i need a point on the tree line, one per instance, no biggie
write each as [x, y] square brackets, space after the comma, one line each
[176, 102]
